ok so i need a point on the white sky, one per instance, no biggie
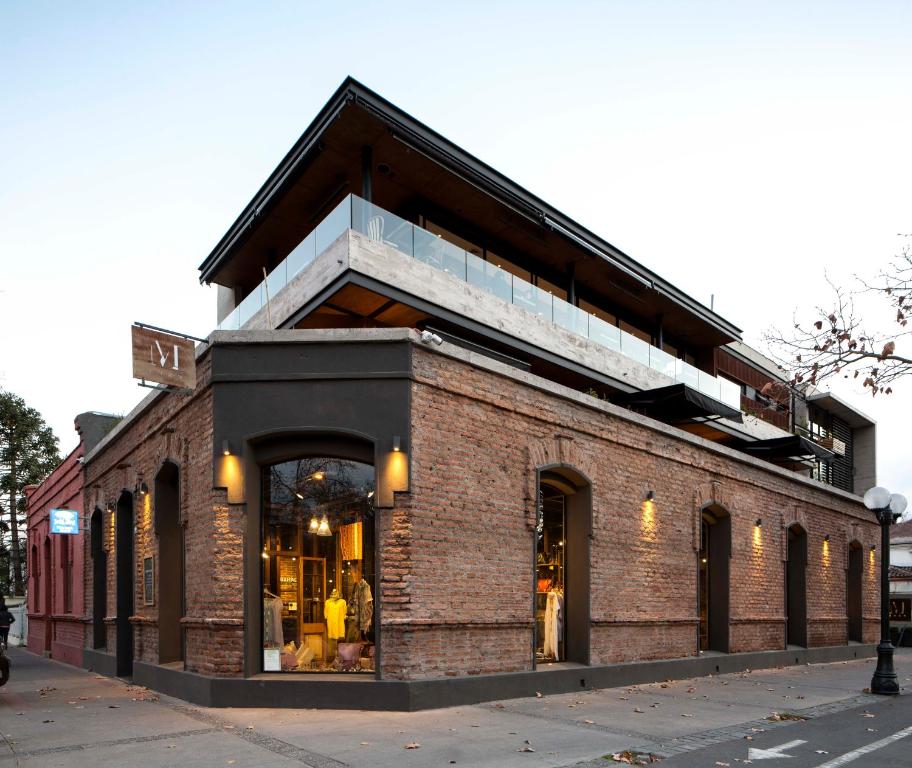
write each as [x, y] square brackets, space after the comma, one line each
[738, 149]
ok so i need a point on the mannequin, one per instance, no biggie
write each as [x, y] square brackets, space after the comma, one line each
[334, 612]
[361, 607]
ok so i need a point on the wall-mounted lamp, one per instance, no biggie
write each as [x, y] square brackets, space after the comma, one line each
[142, 489]
[226, 448]
[759, 522]
[827, 537]
[650, 495]
[873, 547]
[397, 443]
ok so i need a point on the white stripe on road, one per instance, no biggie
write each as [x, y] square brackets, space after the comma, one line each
[848, 757]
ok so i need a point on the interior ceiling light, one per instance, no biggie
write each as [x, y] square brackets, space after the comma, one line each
[299, 495]
[323, 528]
[314, 524]
[318, 475]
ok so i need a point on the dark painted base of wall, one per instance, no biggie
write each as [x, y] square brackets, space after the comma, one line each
[350, 692]
[100, 661]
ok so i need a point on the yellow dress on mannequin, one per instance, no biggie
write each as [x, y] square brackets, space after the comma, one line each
[334, 612]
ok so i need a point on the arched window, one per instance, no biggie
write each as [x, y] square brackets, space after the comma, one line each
[318, 565]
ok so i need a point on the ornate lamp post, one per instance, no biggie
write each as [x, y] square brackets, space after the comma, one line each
[888, 508]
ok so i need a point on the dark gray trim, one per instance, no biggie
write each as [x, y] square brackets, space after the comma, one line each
[362, 692]
[100, 661]
[411, 132]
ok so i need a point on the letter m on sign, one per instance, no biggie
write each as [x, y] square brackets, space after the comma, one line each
[163, 358]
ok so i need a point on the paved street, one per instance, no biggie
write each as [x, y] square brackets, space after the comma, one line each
[55, 715]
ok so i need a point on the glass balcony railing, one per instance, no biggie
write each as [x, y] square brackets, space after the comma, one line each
[384, 227]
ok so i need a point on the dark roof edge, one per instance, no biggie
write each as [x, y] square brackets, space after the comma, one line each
[477, 172]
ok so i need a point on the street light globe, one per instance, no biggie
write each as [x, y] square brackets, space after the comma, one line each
[898, 504]
[877, 498]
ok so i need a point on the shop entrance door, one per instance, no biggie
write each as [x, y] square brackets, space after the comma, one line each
[562, 568]
[713, 579]
[853, 591]
[99, 583]
[795, 587]
[170, 567]
[124, 542]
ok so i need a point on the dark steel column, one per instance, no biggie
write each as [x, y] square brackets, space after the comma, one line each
[885, 680]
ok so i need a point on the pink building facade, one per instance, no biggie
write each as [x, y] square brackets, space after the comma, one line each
[56, 592]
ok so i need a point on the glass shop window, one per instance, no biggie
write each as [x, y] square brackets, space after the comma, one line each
[550, 627]
[318, 568]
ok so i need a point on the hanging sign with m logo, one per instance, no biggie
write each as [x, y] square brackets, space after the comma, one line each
[163, 357]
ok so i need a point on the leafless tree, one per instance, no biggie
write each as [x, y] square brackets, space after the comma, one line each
[837, 341]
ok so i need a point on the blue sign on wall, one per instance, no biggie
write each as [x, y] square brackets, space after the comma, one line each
[64, 521]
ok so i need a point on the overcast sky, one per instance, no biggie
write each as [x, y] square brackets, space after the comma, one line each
[740, 150]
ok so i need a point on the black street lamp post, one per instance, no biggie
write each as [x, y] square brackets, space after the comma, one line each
[888, 508]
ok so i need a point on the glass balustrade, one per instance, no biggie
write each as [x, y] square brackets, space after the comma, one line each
[384, 227]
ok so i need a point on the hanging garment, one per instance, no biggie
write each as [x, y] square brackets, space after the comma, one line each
[272, 623]
[554, 623]
[361, 610]
[334, 613]
[350, 541]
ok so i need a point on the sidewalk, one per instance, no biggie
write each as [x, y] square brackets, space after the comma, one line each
[52, 714]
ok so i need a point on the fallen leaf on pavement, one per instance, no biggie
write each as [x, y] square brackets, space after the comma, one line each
[589, 722]
[526, 748]
[685, 715]
[412, 745]
[538, 694]
[638, 710]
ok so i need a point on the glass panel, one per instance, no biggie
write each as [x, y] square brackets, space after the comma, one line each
[634, 348]
[276, 280]
[231, 322]
[250, 306]
[488, 277]
[440, 254]
[558, 293]
[532, 299]
[685, 373]
[301, 256]
[730, 393]
[570, 317]
[708, 384]
[333, 225]
[382, 226]
[318, 570]
[662, 362]
[550, 567]
[604, 333]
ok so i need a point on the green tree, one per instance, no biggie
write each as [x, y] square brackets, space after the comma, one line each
[28, 452]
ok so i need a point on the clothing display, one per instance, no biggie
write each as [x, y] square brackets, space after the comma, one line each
[361, 610]
[350, 541]
[554, 624]
[272, 621]
[334, 612]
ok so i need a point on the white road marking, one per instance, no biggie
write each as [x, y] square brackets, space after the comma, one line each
[755, 753]
[848, 757]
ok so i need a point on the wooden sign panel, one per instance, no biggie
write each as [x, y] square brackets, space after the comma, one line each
[163, 358]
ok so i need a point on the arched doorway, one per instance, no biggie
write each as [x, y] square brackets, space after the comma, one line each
[99, 582]
[124, 542]
[713, 583]
[796, 587]
[561, 580]
[854, 578]
[170, 565]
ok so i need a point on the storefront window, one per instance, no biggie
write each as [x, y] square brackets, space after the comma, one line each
[318, 566]
[549, 577]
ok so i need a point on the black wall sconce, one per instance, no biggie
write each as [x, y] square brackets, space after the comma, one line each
[759, 523]
[226, 448]
[650, 495]
[397, 443]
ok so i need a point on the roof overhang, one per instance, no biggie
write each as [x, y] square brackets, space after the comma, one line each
[356, 116]
[677, 403]
[828, 402]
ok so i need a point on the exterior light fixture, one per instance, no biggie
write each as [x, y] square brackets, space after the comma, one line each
[873, 547]
[650, 495]
[397, 443]
[226, 448]
[759, 522]
[827, 537]
[888, 507]
[314, 524]
[323, 528]
[143, 489]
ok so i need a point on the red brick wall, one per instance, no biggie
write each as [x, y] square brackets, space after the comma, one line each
[176, 428]
[465, 530]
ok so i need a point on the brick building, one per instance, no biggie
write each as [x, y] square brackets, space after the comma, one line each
[56, 582]
[461, 451]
